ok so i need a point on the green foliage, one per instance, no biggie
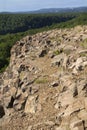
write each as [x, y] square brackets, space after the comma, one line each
[83, 54]
[84, 44]
[57, 52]
[79, 19]
[6, 43]
[41, 81]
[13, 23]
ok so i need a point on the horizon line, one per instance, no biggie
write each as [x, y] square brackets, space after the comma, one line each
[44, 9]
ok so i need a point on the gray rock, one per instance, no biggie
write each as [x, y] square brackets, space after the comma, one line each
[31, 104]
[79, 65]
[58, 60]
[43, 52]
[54, 84]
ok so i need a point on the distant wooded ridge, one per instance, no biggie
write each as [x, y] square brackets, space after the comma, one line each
[52, 10]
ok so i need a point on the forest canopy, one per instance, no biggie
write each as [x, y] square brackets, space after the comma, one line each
[13, 23]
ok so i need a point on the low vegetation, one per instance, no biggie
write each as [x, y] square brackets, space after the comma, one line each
[84, 44]
[41, 81]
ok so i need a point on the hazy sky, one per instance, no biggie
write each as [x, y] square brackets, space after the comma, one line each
[27, 5]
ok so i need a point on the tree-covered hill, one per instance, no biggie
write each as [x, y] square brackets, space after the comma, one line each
[10, 23]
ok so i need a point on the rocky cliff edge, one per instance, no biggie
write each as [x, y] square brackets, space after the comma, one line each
[45, 84]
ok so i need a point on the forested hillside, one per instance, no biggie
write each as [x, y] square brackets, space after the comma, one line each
[14, 26]
[10, 23]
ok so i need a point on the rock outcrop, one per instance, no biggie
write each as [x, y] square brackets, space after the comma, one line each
[45, 84]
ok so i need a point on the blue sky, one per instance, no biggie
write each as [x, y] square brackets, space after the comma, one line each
[27, 5]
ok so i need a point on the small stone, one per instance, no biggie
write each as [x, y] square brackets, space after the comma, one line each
[54, 84]
[43, 53]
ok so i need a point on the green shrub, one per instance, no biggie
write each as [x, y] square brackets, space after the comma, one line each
[41, 81]
[57, 52]
[84, 44]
